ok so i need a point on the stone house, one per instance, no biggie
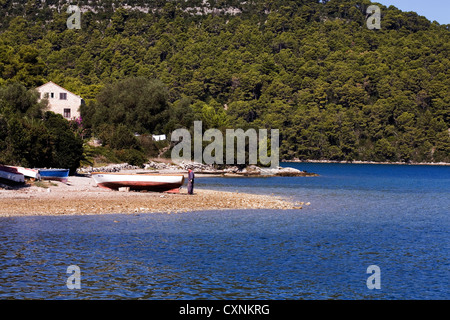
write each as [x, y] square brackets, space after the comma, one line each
[61, 100]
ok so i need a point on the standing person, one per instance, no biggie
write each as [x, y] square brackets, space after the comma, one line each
[191, 181]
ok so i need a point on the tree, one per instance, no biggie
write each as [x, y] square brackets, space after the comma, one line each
[313, 68]
[67, 148]
[32, 138]
[138, 103]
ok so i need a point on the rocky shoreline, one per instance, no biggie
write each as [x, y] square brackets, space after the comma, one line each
[199, 168]
[81, 196]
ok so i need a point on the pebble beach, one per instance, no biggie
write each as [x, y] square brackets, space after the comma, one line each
[81, 196]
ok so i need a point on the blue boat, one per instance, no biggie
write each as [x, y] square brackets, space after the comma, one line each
[54, 174]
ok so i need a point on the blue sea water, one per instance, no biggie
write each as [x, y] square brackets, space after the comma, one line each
[393, 216]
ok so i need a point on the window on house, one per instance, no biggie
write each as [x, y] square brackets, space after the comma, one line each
[67, 113]
[62, 96]
[45, 95]
[52, 95]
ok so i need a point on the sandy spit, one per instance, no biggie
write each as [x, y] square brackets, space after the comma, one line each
[80, 195]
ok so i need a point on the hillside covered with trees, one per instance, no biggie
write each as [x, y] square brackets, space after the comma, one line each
[312, 69]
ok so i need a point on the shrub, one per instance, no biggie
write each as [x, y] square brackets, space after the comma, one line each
[131, 156]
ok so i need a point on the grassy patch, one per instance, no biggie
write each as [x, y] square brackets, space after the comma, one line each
[44, 184]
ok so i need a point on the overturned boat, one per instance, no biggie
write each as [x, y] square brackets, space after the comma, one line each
[29, 173]
[144, 181]
[10, 174]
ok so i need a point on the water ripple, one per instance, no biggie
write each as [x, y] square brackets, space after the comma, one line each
[320, 252]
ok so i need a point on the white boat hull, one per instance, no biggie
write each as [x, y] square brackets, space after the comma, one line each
[11, 174]
[30, 173]
[150, 182]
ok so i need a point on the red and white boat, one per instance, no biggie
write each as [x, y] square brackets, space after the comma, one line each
[11, 174]
[30, 173]
[150, 182]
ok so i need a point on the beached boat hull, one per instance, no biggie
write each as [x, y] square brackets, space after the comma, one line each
[149, 182]
[29, 173]
[54, 174]
[10, 174]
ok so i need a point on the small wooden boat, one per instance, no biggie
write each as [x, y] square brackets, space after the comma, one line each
[30, 173]
[10, 174]
[150, 182]
[54, 174]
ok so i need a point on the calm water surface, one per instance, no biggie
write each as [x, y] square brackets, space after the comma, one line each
[395, 217]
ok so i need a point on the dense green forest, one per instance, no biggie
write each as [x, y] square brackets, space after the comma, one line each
[312, 69]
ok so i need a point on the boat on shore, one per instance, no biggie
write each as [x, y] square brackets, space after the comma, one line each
[10, 174]
[149, 182]
[54, 174]
[29, 173]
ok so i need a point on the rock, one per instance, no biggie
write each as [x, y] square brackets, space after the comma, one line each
[285, 172]
[157, 165]
[196, 166]
[232, 169]
[251, 171]
[108, 168]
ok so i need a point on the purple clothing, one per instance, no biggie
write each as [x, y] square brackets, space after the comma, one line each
[190, 185]
[191, 176]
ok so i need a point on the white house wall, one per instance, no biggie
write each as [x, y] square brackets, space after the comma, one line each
[57, 105]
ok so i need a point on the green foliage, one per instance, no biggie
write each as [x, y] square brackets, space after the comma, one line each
[31, 138]
[117, 137]
[131, 156]
[98, 156]
[67, 147]
[134, 103]
[16, 98]
[334, 88]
